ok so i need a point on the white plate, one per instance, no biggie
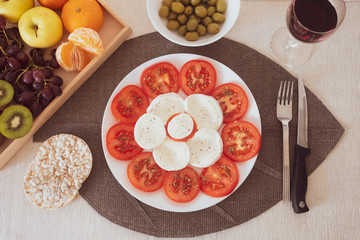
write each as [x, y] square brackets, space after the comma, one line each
[158, 199]
[231, 14]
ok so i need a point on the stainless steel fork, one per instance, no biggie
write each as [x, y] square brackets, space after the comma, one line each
[284, 115]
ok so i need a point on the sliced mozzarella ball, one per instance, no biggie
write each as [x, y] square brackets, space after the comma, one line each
[149, 131]
[205, 148]
[171, 155]
[205, 110]
[180, 126]
[166, 105]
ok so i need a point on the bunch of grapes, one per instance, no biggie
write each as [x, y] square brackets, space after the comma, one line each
[32, 75]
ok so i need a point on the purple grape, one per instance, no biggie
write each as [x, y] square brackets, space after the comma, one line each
[2, 22]
[53, 52]
[27, 77]
[12, 50]
[44, 102]
[13, 33]
[47, 63]
[48, 72]
[25, 88]
[38, 75]
[35, 109]
[3, 42]
[25, 98]
[23, 58]
[14, 64]
[36, 51]
[54, 63]
[38, 60]
[56, 90]
[56, 80]
[47, 94]
[37, 86]
[10, 77]
[3, 61]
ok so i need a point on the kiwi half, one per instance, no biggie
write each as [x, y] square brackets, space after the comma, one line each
[6, 92]
[15, 121]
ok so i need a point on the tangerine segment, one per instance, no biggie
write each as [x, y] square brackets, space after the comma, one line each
[88, 39]
[72, 58]
[82, 13]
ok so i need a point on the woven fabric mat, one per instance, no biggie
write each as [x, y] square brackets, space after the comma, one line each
[82, 114]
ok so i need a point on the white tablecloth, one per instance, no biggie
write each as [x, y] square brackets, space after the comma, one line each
[333, 194]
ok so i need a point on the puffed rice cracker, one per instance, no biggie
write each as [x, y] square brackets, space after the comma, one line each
[55, 176]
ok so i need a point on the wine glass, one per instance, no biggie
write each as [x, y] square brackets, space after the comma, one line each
[308, 21]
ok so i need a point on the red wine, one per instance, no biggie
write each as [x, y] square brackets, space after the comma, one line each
[311, 20]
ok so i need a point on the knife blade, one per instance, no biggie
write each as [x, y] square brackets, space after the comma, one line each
[299, 180]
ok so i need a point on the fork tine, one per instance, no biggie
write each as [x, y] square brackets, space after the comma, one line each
[284, 94]
[291, 92]
[279, 94]
[287, 98]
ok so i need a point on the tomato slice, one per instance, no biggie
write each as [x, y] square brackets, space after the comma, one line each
[197, 76]
[233, 101]
[120, 141]
[160, 78]
[144, 173]
[129, 104]
[182, 186]
[220, 179]
[185, 138]
[241, 140]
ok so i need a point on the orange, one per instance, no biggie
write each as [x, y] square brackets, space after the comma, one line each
[71, 57]
[88, 39]
[82, 13]
[53, 4]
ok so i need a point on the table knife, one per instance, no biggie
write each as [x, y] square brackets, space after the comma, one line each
[299, 179]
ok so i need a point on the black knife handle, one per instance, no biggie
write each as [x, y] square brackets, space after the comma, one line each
[299, 181]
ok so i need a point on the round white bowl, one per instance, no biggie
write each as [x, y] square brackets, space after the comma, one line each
[231, 14]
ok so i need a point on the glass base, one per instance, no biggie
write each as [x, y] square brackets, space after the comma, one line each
[287, 50]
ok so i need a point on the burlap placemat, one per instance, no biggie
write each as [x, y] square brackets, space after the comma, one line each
[82, 114]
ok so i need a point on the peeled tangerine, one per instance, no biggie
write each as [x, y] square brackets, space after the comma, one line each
[72, 57]
[88, 39]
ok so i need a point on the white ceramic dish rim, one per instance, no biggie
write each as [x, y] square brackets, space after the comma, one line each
[231, 14]
[158, 199]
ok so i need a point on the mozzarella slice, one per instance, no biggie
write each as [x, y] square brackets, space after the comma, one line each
[205, 110]
[180, 126]
[171, 155]
[205, 148]
[149, 131]
[166, 105]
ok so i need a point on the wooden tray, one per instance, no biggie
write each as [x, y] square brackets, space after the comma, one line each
[113, 33]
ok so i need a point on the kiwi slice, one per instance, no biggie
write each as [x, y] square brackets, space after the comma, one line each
[15, 121]
[6, 92]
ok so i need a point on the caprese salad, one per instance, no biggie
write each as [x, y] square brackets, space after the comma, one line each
[166, 137]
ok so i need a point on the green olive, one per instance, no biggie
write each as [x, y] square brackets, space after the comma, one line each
[188, 10]
[195, 17]
[200, 11]
[206, 20]
[211, 2]
[185, 2]
[221, 6]
[172, 16]
[182, 30]
[182, 18]
[195, 2]
[173, 25]
[192, 25]
[167, 3]
[164, 11]
[218, 17]
[177, 7]
[211, 10]
[201, 30]
[192, 36]
[213, 28]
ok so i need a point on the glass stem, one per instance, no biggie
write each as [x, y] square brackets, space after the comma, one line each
[292, 43]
